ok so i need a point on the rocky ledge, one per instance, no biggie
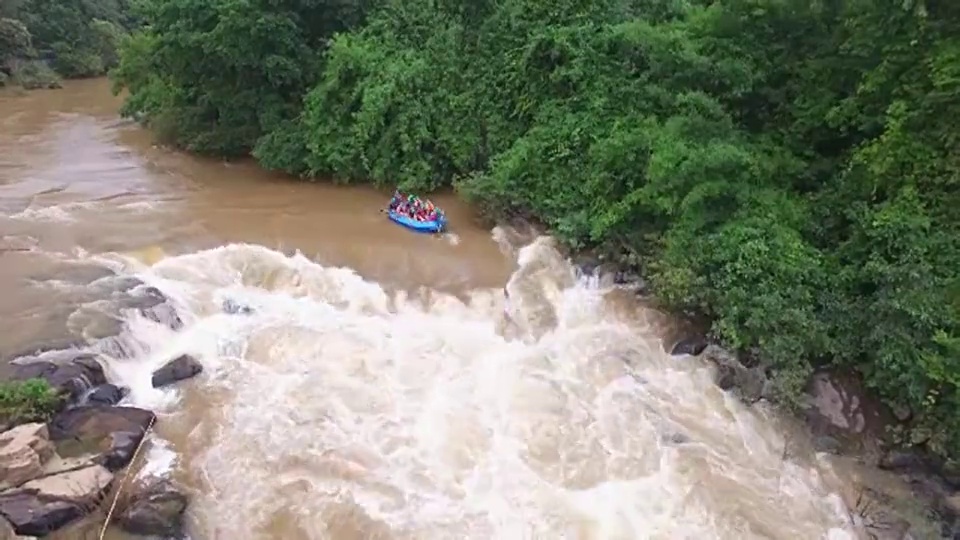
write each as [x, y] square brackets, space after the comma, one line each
[55, 473]
[842, 419]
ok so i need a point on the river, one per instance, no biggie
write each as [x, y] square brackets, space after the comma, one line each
[381, 388]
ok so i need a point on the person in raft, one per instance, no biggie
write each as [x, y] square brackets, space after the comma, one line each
[412, 207]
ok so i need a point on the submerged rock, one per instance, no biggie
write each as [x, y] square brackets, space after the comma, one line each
[155, 306]
[157, 510]
[749, 383]
[675, 438]
[24, 450]
[904, 460]
[42, 506]
[178, 369]
[109, 435]
[827, 444]
[692, 346]
[105, 394]
[232, 307]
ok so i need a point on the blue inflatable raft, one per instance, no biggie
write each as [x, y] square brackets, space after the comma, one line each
[433, 226]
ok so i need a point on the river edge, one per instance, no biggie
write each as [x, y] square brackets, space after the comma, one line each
[68, 477]
[900, 492]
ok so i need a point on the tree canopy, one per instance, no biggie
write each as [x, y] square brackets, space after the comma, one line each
[786, 168]
[76, 38]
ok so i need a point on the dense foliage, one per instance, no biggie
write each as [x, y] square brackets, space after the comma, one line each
[76, 38]
[787, 168]
[32, 400]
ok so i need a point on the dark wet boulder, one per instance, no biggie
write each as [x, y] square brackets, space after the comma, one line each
[152, 304]
[156, 510]
[108, 435]
[178, 369]
[73, 377]
[750, 384]
[903, 460]
[47, 504]
[232, 307]
[162, 310]
[692, 346]
[105, 394]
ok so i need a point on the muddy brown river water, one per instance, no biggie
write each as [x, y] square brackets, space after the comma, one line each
[381, 388]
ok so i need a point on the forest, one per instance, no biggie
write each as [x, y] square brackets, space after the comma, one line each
[785, 169]
[44, 40]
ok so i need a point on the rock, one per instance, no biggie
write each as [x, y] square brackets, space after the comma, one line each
[748, 383]
[900, 460]
[888, 528]
[73, 377]
[622, 277]
[902, 412]
[164, 314]
[676, 438]
[178, 369]
[834, 405]
[875, 515]
[56, 349]
[156, 511]
[119, 346]
[77, 273]
[109, 434]
[839, 406]
[158, 308]
[6, 530]
[115, 283]
[42, 506]
[589, 264]
[692, 346]
[105, 394]
[23, 452]
[934, 493]
[951, 505]
[232, 307]
[950, 472]
[827, 444]
[153, 305]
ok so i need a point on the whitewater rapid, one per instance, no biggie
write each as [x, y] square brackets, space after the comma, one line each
[338, 408]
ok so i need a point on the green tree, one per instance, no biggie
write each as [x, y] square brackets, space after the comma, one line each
[78, 38]
[219, 75]
[785, 168]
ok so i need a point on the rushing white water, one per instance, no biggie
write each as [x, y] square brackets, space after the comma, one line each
[338, 409]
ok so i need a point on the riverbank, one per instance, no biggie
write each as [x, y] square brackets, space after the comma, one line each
[76, 470]
[903, 490]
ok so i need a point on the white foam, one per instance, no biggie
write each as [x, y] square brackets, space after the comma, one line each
[421, 417]
[53, 213]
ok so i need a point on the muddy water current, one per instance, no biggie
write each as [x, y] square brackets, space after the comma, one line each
[381, 385]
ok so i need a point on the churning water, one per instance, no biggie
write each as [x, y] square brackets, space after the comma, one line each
[334, 408]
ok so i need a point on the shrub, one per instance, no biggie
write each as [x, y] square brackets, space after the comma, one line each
[33, 400]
